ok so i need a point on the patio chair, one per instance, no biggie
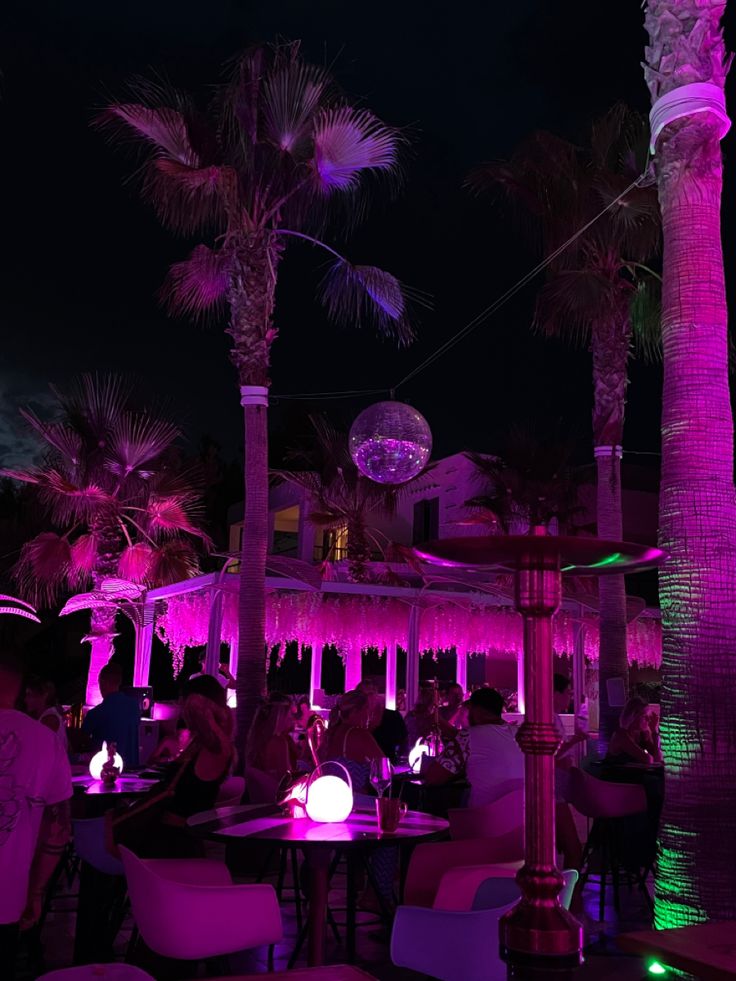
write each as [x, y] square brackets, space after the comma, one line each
[231, 792]
[430, 861]
[190, 909]
[420, 937]
[605, 803]
[98, 972]
[502, 817]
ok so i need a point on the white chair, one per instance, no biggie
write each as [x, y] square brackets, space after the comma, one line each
[190, 910]
[98, 972]
[419, 939]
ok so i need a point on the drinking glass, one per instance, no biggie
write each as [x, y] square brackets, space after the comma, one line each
[381, 775]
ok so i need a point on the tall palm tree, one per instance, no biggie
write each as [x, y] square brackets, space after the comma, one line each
[120, 508]
[279, 152]
[592, 289]
[341, 497]
[532, 482]
[697, 510]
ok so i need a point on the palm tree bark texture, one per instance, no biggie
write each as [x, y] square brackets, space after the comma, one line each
[697, 849]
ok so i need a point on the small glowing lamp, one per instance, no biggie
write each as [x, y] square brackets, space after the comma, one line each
[656, 968]
[415, 755]
[99, 760]
[329, 800]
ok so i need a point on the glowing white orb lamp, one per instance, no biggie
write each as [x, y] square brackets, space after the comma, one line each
[390, 442]
[415, 755]
[99, 760]
[330, 798]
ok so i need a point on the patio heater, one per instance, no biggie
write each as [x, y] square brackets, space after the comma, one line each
[538, 934]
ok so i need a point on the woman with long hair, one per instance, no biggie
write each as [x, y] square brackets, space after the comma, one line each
[269, 747]
[636, 740]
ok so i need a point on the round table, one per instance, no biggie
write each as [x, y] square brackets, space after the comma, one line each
[267, 824]
[127, 786]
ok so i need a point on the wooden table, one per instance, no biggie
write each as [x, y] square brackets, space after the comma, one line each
[708, 950]
[126, 786]
[318, 841]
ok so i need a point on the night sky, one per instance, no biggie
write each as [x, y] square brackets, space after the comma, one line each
[83, 256]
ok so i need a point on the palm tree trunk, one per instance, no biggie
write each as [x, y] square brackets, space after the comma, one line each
[251, 301]
[102, 621]
[697, 850]
[359, 552]
[611, 342]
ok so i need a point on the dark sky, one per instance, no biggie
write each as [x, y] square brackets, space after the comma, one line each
[83, 256]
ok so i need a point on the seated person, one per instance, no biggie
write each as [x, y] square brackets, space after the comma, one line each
[568, 841]
[269, 747]
[349, 740]
[224, 675]
[454, 712]
[636, 740]
[302, 709]
[388, 727]
[41, 705]
[116, 718]
[486, 754]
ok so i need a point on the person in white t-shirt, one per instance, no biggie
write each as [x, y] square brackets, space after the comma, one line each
[224, 674]
[486, 753]
[35, 787]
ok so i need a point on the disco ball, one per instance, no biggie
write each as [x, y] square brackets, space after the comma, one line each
[390, 442]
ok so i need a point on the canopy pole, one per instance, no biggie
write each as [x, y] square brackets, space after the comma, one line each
[391, 664]
[315, 672]
[412, 658]
[143, 645]
[461, 669]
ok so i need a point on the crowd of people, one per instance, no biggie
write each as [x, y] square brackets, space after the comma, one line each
[478, 753]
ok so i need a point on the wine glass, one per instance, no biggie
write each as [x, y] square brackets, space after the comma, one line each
[381, 775]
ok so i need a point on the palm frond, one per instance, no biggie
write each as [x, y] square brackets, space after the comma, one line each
[162, 127]
[197, 285]
[83, 556]
[646, 319]
[357, 295]
[292, 93]
[349, 141]
[170, 516]
[93, 403]
[172, 561]
[187, 199]
[137, 440]
[135, 562]
[571, 301]
[43, 567]
[56, 435]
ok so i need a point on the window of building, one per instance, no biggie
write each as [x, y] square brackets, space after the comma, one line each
[426, 520]
[286, 531]
[331, 545]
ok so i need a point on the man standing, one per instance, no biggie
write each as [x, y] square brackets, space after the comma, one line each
[116, 718]
[35, 787]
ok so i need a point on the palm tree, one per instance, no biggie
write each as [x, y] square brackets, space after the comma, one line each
[276, 156]
[121, 509]
[341, 497]
[697, 510]
[533, 482]
[592, 289]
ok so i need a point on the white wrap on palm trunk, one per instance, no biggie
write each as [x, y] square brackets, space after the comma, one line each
[687, 100]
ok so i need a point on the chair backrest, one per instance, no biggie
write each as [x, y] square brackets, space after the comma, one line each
[504, 816]
[595, 798]
[231, 792]
[261, 786]
[494, 892]
[473, 887]
[89, 844]
[430, 861]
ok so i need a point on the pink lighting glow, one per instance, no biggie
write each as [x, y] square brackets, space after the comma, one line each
[355, 623]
